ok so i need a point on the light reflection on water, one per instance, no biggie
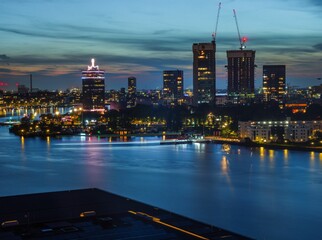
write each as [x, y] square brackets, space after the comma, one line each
[20, 112]
[250, 191]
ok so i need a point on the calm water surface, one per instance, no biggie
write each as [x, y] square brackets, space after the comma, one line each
[264, 194]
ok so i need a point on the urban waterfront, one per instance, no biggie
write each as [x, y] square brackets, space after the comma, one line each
[264, 194]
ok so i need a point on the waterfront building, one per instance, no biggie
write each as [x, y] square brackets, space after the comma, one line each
[204, 73]
[93, 82]
[272, 131]
[274, 82]
[222, 99]
[173, 85]
[241, 75]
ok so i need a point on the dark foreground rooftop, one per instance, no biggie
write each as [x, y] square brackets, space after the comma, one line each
[95, 214]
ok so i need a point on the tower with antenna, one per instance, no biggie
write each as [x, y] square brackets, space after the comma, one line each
[241, 71]
[93, 88]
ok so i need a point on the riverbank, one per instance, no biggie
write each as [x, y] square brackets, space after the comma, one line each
[294, 146]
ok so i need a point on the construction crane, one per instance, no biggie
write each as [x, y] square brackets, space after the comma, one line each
[242, 40]
[215, 31]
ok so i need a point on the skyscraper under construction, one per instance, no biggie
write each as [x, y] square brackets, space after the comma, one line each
[204, 73]
[241, 73]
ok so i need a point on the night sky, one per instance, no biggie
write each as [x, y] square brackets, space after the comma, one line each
[55, 39]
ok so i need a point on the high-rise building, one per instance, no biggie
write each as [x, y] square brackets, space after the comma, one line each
[204, 73]
[131, 92]
[93, 82]
[22, 89]
[274, 82]
[173, 84]
[241, 73]
[131, 86]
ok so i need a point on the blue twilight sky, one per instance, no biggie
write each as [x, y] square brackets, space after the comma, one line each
[55, 39]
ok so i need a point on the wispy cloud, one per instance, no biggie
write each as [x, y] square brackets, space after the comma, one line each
[318, 47]
[4, 59]
[146, 37]
[316, 2]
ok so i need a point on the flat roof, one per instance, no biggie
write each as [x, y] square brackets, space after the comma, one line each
[95, 214]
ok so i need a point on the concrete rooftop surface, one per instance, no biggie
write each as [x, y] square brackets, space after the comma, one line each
[95, 214]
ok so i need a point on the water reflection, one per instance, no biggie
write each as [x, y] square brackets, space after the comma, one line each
[22, 140]
[224, 164]
[312, 160]
[200, 180]
[20, 112]
[225, 171]
[262, 153]
[271, 157]
[285, 155]
[200, 147]
[48, 141]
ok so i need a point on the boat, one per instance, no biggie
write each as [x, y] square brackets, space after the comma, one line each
[225, 147]
[201, 140]
[175, 141]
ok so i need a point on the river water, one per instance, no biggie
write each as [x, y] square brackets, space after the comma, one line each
[264, 194]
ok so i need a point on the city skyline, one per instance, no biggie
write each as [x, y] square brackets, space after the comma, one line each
[54, 40]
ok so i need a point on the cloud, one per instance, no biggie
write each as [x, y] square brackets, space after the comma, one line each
[4, 58]
[318, 47]
[316, 2]
[163, 32]
[5, 70]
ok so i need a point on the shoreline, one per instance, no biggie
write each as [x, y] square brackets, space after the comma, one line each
[272, 146]
[296, 147]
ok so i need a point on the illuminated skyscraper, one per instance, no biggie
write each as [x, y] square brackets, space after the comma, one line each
[93, 82]
[173, 84]
[241, 73]
[274, 82]
[204, 73]
[131, 89]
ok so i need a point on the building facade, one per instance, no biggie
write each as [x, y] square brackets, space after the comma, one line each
[204, 73]
[272, 131]
[241, 74]
[173, 85]
[93, 88]
[274, 82]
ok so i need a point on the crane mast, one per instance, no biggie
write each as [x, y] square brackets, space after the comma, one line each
[242, 40]
[217, 20]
